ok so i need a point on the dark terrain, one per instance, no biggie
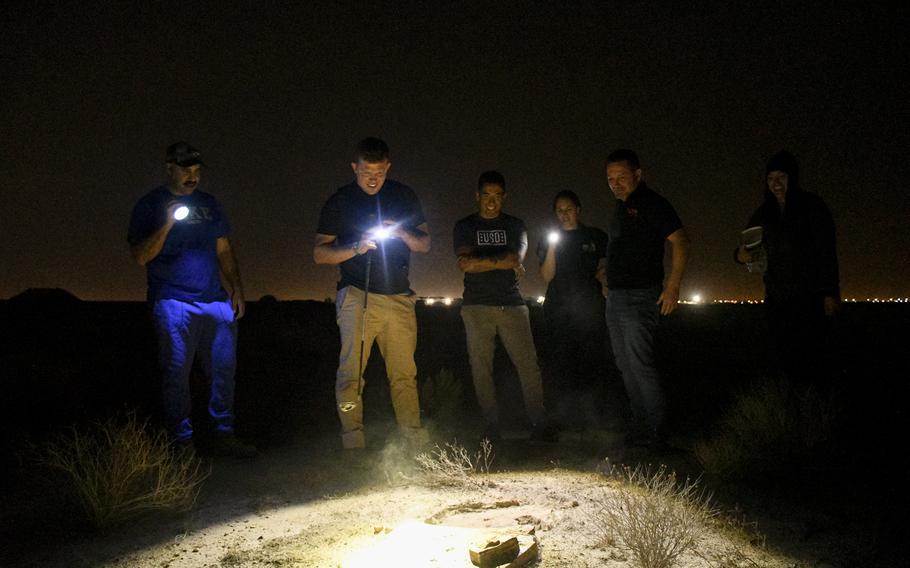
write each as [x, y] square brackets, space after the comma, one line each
[67, 362]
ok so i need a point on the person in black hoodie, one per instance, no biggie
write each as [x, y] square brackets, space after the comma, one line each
[802, 288]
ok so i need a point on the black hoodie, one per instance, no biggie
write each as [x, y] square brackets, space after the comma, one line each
[799, 242]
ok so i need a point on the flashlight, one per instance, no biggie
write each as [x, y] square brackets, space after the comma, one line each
[553, 237]
[382, 232]
[181, 212]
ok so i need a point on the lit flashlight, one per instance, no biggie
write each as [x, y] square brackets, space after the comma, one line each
[181, 212]
[382, 232]
[553, 237]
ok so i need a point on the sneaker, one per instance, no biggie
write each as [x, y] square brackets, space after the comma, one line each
[228, 445]
[546, 432]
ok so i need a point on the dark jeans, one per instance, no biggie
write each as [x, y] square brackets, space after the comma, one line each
[632, 318]
[185, 330]
[575, 362]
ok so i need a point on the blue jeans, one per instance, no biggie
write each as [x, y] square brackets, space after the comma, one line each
[187, 329]
[632, 318]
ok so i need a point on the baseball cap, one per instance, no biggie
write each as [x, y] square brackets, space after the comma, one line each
[183, 155]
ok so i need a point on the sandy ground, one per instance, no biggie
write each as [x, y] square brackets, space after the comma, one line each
[318, 506]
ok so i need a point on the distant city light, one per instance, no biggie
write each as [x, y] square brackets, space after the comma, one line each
[553, 237]
[695, 299]
[181, 213]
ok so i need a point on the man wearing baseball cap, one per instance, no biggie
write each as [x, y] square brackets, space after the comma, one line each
[180, 234]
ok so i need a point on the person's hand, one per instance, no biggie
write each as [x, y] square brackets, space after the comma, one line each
[171, 207]
[668, 299]
[364, 245]
[832, 305]
[238, 304]
[396, 231]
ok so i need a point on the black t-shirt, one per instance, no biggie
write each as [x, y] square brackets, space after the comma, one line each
[187, 266]
[487, 238]
[578, 253]
[635, 253]
[350, 212]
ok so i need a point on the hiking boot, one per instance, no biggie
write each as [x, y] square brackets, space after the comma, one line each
[229, 446]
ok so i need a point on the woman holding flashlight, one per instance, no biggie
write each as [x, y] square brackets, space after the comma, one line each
[571, 257]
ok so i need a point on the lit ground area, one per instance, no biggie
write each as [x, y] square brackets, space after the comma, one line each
[314, 505]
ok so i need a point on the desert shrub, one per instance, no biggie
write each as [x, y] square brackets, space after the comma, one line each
[453, 465]
[120, 469]
[652, 515]
[767, 430]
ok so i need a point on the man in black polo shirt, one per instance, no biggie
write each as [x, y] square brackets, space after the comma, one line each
[643, 221]
[490, 247]
[349, 235]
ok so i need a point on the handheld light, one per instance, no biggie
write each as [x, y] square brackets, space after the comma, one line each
[553, 237]
[181, 213]
[381, 233]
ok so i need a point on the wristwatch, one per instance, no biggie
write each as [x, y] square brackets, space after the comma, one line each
[354, 246]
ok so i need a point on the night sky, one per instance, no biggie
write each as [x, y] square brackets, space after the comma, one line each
[276, 96]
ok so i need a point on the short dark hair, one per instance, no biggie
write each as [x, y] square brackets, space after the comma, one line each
[567, 194]
[371, 150]
[491, 176]
[624, 155]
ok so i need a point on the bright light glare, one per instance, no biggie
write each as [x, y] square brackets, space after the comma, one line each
[541, 299]
[181, 213]
[447, 301]
[382, 232]
[416, 544]
[696, 299]
[430, 301]
[553, 237]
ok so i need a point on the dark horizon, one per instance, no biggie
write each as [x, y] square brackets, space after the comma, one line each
[277, 98]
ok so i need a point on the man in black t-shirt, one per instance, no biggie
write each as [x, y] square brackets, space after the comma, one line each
[570, 261]
[637, 294]
[490, 247]
[374, 223]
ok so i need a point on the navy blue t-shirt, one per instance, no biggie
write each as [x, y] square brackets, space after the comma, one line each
[487, 238]
[635, 253]
[351, 212]
[577, 255]
[187, 267]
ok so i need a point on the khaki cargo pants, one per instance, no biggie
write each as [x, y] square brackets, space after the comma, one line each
[391, 321]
